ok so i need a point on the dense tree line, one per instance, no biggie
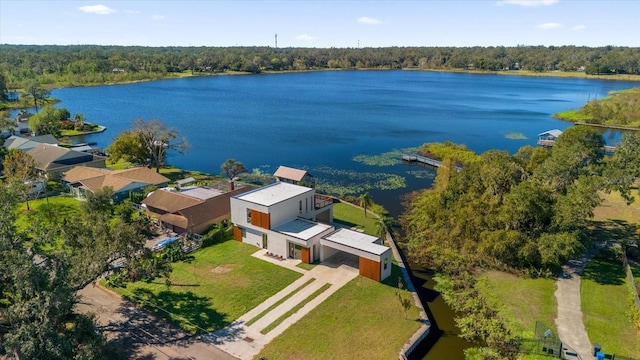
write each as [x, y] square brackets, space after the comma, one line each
[526, 213]
[90, 64]
[621, 108]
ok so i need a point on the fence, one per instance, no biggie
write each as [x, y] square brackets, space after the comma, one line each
[548, 341]
[631, 280]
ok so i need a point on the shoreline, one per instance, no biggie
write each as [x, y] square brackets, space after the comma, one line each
[551, 74]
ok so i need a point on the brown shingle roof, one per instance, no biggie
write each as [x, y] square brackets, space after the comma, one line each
[45, 155]
[169, 201]
[143, 174]
[94, 179]
[290, 173]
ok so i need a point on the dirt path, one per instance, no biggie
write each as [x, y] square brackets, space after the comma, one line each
[139, 334]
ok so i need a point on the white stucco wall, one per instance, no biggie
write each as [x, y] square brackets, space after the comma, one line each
[289, 209]
[385, 273]
[253, 237]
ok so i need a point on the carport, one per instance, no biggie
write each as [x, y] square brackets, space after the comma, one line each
[374, 259]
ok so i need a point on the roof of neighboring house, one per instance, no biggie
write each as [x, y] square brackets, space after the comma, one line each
[175, 219]
[95, 178]
[356, 240]
[274, 193]
[143, 174]
[554, 133]
[51, 156]
[190, 208]
[170, 201]
[27, 143]
[290, 173]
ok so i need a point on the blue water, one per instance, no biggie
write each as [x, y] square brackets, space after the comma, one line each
[321, 120]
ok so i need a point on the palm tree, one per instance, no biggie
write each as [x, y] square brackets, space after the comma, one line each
[365, 200]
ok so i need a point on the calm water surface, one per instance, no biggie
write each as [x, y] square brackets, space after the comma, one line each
[323, 122]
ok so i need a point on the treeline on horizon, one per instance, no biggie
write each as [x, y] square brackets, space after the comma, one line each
[54, 65]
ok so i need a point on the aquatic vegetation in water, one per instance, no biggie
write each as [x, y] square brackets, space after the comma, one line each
[515, 136]
[349, 182]
[385, 159]
[423, 174]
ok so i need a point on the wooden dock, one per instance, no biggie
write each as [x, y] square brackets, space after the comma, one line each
[424, 160]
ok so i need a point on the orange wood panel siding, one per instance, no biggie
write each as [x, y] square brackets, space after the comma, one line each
[237, 233]
[255, 217]
[370, 269]
[306, 255]
[265, 220]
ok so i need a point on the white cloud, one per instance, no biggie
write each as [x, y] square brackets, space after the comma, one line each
[157, 17]
[528, 3]
[549, 26]
[578, 28]
[305, 37]
[131, 11]
[369, 21]
[97, 9]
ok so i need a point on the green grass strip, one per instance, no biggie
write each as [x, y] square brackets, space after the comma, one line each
[294, 309]
[259, 316]
[306, 266]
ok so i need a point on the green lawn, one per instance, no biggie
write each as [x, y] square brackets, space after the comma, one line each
[221, 283]
[604, 295]
[60, 207]
[179, 174]
[353, 216]
[524, 302]
[362, 320]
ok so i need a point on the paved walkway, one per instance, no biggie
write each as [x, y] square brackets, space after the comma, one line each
[245, 341]
[139, 334]
[569, 322]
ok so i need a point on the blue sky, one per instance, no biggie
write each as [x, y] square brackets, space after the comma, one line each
[322, 23]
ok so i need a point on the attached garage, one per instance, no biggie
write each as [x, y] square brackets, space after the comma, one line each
[374, 259]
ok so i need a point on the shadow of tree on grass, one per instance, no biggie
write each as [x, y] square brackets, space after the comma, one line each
[605, 268]
[189, 311]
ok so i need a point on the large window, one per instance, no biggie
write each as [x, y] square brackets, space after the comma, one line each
[248, 216]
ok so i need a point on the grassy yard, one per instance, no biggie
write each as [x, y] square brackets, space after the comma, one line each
[60, 207]
[221, 283]
[524, 302]
[363, 320]
[179, 174]
[604, 295]
[352, 216]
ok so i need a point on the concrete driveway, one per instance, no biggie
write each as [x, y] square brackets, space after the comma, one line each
[245, 342]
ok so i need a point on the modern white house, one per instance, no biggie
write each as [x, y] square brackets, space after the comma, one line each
[293, 222]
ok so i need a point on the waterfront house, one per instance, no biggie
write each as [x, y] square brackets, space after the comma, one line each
[292, 221]
[293, 176]
[55, 160]
[83, 179]
[193, 209]
[548, 138]
[27, 143]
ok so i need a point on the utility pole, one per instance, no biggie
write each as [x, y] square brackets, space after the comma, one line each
[276, 40]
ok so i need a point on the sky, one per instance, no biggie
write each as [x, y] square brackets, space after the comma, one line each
[322, 24]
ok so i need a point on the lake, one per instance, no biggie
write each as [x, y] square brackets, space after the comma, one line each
[347, 128]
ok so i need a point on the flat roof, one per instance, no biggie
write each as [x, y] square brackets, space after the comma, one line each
[356, 240]
[274, 193]
[302, 229]
[202, 193]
